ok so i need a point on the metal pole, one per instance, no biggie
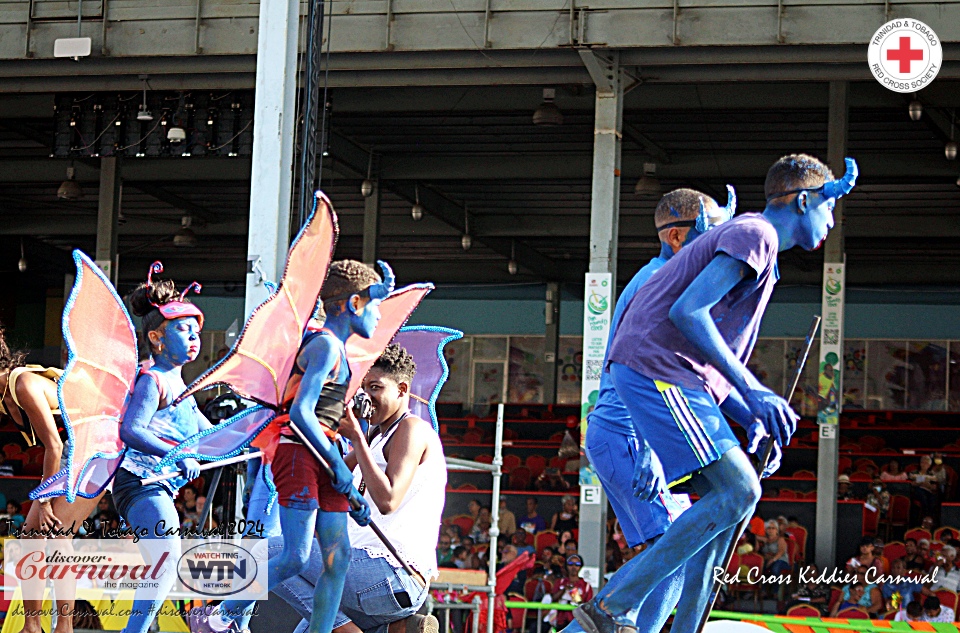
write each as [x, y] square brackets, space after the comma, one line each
[828, 444]
[208, 506]
[108, 215]
[273, 132]
[371, 223]
[494, 518]
[311, 106]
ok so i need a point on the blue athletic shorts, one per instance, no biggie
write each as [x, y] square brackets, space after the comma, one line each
[613, 455]
[683, 426]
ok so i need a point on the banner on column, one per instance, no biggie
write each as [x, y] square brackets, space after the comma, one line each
[597, 314]
[830, 378]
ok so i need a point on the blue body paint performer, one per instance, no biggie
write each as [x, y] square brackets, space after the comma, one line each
[309, 501]
[151, 426]
[642, 504]
[680, 349]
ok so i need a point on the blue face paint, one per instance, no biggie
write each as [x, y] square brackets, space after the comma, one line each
[179, 342]
[816, 221]
[364, 321]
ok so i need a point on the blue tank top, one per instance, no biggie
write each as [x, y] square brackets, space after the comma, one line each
[609, 412]
[172, 424]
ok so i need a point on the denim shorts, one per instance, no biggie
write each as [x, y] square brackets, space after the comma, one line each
[127, 490]
[376, 594]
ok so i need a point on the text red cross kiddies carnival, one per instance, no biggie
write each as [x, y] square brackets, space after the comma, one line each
[905, 54]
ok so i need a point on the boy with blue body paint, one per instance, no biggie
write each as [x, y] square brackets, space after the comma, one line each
[681, 348]
[643, 506]
[309, 501]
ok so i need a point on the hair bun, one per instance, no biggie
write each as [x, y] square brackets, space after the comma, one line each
[145, 298]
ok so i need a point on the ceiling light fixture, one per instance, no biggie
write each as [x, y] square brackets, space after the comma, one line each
[950, 149]
[143, 114]
[648, 185]
[466, 241]
[512, 264]
[176, 134]
[22, 264]
[915, 109]
[417, 211]
[70, 189]
[547, 113]
[185, 237]
[366, 187]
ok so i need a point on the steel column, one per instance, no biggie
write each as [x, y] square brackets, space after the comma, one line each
[604, 217]
[371, 224]
[272, 169]
[828, 447]
[108, 212]
[551, 343]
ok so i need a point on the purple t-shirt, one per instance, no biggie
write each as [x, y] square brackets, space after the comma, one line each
[648, 341]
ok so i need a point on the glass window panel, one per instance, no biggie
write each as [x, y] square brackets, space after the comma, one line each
[490, 347]
[457, 387]
[927, 376]
[570, 361]
[526, 369]
[804, 398]
[955, 375]
[854, 359]
[886, 374]
[766, 363]
[487, 385]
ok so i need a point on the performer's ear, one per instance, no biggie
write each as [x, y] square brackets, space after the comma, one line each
[154, 337]
[403, 387]
[803, 201]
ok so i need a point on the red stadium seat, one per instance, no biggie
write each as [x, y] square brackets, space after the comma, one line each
[803, 611]
[799, 534]
[854, 613]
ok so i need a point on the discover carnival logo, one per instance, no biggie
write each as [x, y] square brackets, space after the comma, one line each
[215, 568]
[905, 55]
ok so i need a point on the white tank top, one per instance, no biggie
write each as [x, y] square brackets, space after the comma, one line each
[414, 526]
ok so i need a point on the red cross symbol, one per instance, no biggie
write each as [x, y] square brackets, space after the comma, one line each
[905, 54]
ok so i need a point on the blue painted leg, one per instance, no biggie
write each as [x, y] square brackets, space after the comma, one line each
[335, 550]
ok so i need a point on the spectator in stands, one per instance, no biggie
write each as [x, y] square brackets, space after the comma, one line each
[865, 558]
[551, 480]
[776, 557]
[570, 548]
[914, 560]
[565, 536]
[473, 558]
[546, 555]
[913, 613]
[926, 487]
[813, 593]
[571, 589]
[473, 509]
[781, 522]
[879, 496]
[519, 540]
[747, 543]
[923, 545]
[507, 522]
[15, 513]
[948, 574]
[508, 554]
[939, 472]
[927, 523]
[757, 525]
[901, 592]
[481, 526]
[933, 611]
[869, 596]
[843, 488]
[613, 557]
[892, 472]
[453, 531]
[568, 518]
[533, 522]
[444, 551]
[461, 557]
[878, 552]
[188, 494]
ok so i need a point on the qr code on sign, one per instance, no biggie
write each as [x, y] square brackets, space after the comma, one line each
[831, 337]
[594, 369]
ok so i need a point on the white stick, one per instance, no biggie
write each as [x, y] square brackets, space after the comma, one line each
[207, 466]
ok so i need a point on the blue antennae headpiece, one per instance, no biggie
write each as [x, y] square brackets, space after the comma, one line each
[840, 188]
[706, 222]
[383, 289]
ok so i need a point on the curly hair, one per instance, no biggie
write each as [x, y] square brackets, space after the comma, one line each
[796, 171]
[143, 298]
[681, 204]
[397, 363]
[347, 277]
[9, 359]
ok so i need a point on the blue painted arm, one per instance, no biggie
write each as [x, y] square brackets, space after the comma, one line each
[646, 483]
[135, 431]
[318, 360]
[691, 314]
[737, 410]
